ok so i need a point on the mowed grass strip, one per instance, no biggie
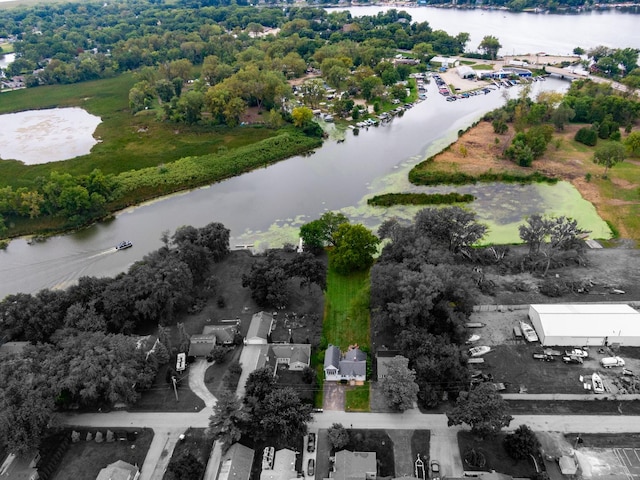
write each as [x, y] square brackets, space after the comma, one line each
[357, 398]
[346, 314]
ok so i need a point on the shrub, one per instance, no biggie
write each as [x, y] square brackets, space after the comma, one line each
[390, 199]
[586, 136]
[521, 443]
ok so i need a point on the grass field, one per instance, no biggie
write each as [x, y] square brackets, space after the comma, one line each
[346, 315]
[357, 398]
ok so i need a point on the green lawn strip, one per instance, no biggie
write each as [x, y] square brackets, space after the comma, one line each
[420, 441]
[390, 199]
[496, 457]
[195, 443]
[357, 398]
[85, 459]
[346, 316]
[161, 396]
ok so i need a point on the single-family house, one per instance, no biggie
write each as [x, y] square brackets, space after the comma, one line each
[236, 463]
[119, 470]
[296, 355]
[350, 366]
[225, 334]
[259, 329]
[201, 345]
[284, 466]
[20, 467]
[354, 466]
[383, 357]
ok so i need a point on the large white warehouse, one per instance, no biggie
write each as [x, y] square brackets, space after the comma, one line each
[586, 324]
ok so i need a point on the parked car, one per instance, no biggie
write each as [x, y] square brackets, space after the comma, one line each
[543, 357]
[577, 352]
[572, 359]
[311, 442]
[311, 467]
[608, 362]
[434, 466]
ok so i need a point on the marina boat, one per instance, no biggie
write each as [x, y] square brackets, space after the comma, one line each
[124, 245]
[473, 338]
[577, 352]
[479, 351]
[598, 385]
[528, 332]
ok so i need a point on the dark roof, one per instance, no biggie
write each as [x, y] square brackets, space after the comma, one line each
[296, 352]
[201, 345]
[236, 463]
[332, 357]
[260, 326]
[224, 333]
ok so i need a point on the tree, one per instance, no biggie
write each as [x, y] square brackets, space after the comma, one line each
[398, 385]
[268, 281]
[187, 467]
[313, 92]
[632, 143]
[355, 247]
[562, 115]
[301, 116]
[609, 154]
[260, 383]
[228, 420]
[281, 414]
[338, 436]
[453, 227]
[310, 269]
[483, 409]
[319, 233]
[490, 45]
[521, 443]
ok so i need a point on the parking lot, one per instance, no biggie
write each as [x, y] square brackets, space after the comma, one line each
[630, 459]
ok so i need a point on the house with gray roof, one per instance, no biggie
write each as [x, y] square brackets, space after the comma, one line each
[225, 333]
[354, 466]
[296, 356]
[119, 470]
[259, 329]
[350, 366]
[236, 463]
[201, 345]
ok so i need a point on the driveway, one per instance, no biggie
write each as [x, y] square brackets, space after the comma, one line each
[334, 396]
[197, 372]
[402, 452]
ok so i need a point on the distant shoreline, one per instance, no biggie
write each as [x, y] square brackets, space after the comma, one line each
[560, 11]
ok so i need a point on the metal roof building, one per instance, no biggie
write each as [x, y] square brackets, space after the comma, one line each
[586, 324]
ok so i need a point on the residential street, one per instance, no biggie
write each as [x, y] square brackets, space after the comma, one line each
[168, 426]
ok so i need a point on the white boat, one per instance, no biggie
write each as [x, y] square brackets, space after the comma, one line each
[124, 245]
[473, 338]
[598, 385]
[577, 352]
[528, 332]
[479, 351]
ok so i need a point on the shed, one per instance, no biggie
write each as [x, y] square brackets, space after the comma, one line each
[586, 324]
[259, 329]
[465, 71]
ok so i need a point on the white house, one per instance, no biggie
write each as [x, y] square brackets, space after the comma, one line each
[352, 366]
[259, 329]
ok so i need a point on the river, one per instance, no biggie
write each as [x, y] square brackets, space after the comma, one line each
[266, 207]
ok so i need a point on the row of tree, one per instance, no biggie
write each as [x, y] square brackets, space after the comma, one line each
[151, 292]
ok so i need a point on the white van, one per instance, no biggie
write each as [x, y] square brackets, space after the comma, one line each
[609, 362]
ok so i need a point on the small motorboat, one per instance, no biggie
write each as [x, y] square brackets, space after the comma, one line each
[472, 339]
[577, 352]
[124, 245]
[598, 384]
[479, 351]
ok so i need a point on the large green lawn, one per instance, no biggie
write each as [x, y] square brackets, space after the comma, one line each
[346, 314]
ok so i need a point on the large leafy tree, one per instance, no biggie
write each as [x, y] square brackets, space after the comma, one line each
[490, 46]
[228, 420]
[320, 233]
[483, 409]
[399, 386]
[268, 281]
[453, 227]
[282, 414]
[338, 436]
[521, 443]
[608, 155]
[355, 247]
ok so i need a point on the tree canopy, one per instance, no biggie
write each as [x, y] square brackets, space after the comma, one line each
[398, 385]
[354, 249]
[483, 408]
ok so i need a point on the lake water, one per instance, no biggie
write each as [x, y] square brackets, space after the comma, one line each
[266, 207]
[521, 33]
[43, 136]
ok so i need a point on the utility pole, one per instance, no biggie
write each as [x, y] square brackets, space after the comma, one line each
[175, 388]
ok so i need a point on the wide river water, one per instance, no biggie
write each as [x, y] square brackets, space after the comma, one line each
[266, 207]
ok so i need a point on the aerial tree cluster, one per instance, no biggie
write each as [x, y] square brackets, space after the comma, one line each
[271, 280]
[483, 409]
[267, 411]
[421, 289]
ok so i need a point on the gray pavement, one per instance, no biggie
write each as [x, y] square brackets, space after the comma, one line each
[197, 371]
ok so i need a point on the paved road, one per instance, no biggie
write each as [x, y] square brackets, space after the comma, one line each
[197, 371]
[443, 439]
